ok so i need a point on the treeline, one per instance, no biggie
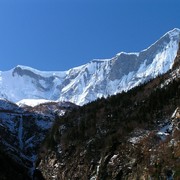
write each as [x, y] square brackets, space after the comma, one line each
[117, 115]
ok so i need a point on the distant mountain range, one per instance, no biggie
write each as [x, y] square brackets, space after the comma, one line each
[98, 78]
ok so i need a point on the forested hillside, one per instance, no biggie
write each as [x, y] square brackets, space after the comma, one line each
[131, 135]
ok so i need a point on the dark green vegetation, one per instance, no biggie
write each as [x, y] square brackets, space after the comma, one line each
[87, 138]
[118, 115]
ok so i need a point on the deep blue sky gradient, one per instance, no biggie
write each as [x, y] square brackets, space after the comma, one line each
[61, 34]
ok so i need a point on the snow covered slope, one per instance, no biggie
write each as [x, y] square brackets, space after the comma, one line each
[95, 79]
[22, 129]
[32, 102]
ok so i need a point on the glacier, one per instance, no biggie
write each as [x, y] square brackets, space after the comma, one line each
[96, 79]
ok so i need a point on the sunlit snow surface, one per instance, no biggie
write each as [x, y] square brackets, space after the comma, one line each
[32, 102]
[98, 78]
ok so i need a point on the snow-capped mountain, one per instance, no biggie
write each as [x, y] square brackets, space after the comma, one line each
[22, 129]
[95, 79]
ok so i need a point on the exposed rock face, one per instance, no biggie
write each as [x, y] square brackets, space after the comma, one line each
[22, 130]
[98, 78]
[144, 155]
[48, 81]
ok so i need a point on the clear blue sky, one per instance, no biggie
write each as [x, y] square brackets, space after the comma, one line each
[61, 34]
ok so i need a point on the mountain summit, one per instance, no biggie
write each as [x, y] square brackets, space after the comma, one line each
[98, 78]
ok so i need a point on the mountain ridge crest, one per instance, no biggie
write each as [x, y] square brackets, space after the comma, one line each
[96, 79]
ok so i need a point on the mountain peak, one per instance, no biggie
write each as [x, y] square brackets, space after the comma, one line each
[99, 78]
[23, 67]
[174, 32]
